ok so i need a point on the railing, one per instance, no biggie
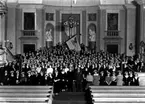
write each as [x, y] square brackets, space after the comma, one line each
[28, 32]
[112, 33]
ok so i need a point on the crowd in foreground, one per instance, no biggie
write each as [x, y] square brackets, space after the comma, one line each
[69, 70]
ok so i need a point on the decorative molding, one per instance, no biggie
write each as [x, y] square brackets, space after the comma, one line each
[113, 7]
[32, 6]
[112, 38]
[28, 38]
[129, 6]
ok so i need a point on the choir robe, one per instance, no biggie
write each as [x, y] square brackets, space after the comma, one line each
[102, 80]
[131, 81]
[17, 80]
[41, 80]
[126, 80]
[12, 80]
[70, 76]
[108, 80]
[63, 80]
[5, 80]
[29, 81]
[56, 78]
[136, 81]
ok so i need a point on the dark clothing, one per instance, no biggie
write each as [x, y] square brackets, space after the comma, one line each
[102, 80]
[79, 80]
[12, 80]
[136, 81]
[126, 81]
[131, 81]
[57, 83]
[6, 80]
[70, 76]
[41, 80]
[1, 74]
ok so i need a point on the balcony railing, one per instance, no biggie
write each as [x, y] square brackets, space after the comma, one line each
[29, 33]
[112, 33]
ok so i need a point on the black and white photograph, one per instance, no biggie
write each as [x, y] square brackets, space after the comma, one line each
[72, 51]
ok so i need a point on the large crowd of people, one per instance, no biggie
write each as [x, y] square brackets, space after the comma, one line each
[68, 70]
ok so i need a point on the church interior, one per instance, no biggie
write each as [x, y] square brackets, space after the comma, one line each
[72, 51]
[117, 24]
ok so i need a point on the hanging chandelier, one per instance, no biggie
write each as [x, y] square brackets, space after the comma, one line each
[71, 22]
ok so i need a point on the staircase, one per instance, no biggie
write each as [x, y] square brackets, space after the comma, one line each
[70, 98]
[26, 94]
[117, 94]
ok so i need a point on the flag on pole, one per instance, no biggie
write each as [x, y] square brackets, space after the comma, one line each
[73, 43]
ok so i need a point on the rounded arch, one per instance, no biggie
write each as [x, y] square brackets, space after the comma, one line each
[49, 32]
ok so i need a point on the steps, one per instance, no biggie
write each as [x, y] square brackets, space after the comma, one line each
[118, 94]
[26, 94]
[70, 98]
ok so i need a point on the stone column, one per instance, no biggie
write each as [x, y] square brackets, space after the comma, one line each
[140, 23]
[130, 18]
[58, 29]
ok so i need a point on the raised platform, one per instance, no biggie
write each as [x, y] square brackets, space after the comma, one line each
[70, 98]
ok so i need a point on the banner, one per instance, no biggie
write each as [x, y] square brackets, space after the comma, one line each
[73, 43]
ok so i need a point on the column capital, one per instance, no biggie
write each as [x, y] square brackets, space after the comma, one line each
[129, 6]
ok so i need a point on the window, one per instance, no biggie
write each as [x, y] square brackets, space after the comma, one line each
[29, 21]
[112, 21]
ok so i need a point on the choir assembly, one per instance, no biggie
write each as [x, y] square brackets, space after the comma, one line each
[68, 70]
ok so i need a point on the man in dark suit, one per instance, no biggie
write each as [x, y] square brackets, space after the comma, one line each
[79, 79]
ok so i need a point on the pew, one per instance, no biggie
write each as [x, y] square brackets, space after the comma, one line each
[26, 94]
[117, 94]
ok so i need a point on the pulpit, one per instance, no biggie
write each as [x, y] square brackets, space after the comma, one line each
[141, 76]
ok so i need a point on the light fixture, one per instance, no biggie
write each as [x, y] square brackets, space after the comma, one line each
[71, 22]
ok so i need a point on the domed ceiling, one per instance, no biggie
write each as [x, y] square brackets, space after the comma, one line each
[71, 2]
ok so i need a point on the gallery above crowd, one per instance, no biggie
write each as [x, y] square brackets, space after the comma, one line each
[73, 71]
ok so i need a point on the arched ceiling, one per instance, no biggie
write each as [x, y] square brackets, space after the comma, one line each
[71, 2]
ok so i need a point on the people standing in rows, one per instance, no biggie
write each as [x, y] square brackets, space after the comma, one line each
[131, 79]
[89, 79]
[108, 78]
[126, 79]
[96, 78]
[119, 79]
[102, 78]
[113, 79]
